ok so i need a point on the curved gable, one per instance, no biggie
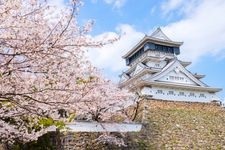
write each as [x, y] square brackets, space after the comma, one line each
[175, 69]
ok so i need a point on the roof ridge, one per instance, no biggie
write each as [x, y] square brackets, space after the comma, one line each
[158, 34]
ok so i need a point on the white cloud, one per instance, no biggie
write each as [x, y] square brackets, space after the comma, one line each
[57, 7]
[110, 56]
[153, 10]
[58, 3]
[202, 30]
[116, 3]
[178, 7]
[171, 5]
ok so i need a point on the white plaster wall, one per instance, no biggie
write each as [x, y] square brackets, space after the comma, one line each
[138, 69]
[103, 127]
[159, 54]
[177, 74]
[153, 64]
[153, 54]
[223, 103]
[165, 96]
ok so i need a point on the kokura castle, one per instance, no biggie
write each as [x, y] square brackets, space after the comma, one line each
[156, 72]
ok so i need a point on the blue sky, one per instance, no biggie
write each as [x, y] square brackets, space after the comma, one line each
[200, 24]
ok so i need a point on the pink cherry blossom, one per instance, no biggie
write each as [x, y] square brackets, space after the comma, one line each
[43, 69]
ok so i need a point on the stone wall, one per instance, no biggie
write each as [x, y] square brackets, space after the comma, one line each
[180, 125]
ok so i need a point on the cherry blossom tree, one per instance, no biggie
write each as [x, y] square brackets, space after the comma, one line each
[43, 70]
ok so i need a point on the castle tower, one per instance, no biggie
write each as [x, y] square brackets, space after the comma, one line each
[155, 72]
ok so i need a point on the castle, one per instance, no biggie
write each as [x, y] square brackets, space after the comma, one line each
[155, 72]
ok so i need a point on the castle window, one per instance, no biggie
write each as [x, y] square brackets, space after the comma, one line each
[181, 93]
[135, 56]
[163, 48]
[171, 77]
[157, 65]
[158, 47]
[192, 94]
[159, 91]
[170, 49]
[170, 92]
[176, 78]
[202, 95]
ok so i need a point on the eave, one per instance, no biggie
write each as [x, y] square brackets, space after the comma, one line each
[145, 58]
[143, 83]
[198, 76]
[185, 63]
[138, 75]
[153, 40]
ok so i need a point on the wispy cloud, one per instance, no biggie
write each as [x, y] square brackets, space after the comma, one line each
[116, 3]
[110, 56]
[202, 30]
[170, 5]
[178, 7]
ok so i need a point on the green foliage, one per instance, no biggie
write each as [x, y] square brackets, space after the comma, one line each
[6, 103]
[81, 81]
[71, 117]
[59, 124]
[35, 89]
[87, 80]
[46, 122]
[141, 144]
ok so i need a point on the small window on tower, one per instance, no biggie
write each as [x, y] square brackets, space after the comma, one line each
[192, 94]
[170, 92]
[202, 95]
[177, 78]
[171, 77]
[157, 65]
[159, 47]
[181, 93]
[159, 91]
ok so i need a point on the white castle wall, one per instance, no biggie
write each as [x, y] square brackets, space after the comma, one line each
[160, 64]
[156, 54]
[179, 94]
[177, 77]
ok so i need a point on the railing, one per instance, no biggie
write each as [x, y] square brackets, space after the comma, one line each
[153, 54]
